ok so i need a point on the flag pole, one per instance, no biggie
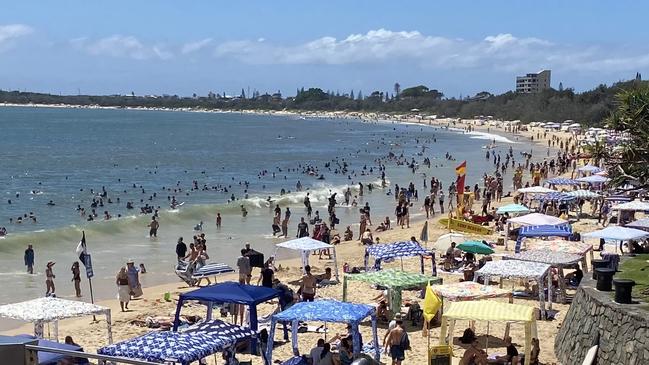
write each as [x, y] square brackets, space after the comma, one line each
[87, 262]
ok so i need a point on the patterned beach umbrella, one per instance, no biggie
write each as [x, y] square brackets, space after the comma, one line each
[561, 181]
[583, 194]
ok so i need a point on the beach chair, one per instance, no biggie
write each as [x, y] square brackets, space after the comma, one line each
[191, 277]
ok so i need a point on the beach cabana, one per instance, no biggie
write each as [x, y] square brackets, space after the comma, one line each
[469, 290]
[561, 181]
[535, 190]
[635, 206]
[513, 209]
[196, 343]
[328, 311]
[390, 251]
[228, 292]
[557, 230]
[45, 310]
[563, 247]
[617, 233]
[305, 246]
[513, 269]
[560, 260]
[490, 311]
[532, 219]
[394, 280]
[642, 224]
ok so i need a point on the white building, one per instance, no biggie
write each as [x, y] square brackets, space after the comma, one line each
[533, 83]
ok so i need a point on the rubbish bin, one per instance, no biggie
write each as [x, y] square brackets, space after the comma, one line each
[598, 264]
[623, 290]
[605, 279]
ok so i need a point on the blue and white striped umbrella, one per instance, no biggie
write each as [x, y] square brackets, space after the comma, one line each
[583, 194]
[556, 197]
[561, 181]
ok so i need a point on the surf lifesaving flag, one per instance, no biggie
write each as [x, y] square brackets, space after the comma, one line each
[459, 183]
[84, 257]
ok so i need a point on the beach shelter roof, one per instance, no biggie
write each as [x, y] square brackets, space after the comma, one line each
[469, 290]
[512, 208]
[561, 181]
[513, 269]
[389, 251]
[394, 280]
[231, 292]
[583, 194]
[634, 205]
[535, 190]
[556, 197]
[326, 310]
[536, 219]
[50, 309]
[306, 245]
[547, 257]
[639, 224]
[593, 179]
[579, 248]
[557, 230]
[589, 168]
[182, 347]
[486, 310]
[617, 233]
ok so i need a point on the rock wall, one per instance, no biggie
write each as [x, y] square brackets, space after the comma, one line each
[623, 329]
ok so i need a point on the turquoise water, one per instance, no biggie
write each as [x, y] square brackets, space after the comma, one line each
[61, 154]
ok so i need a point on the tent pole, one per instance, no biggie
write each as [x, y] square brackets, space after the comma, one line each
[336, 265]
[487, 342]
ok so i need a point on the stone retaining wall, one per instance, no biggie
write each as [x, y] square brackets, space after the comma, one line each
[623, 329]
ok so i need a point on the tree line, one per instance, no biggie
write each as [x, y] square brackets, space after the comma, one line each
[590, 107]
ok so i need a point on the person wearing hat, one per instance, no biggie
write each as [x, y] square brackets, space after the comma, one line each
[49, 279]
[133, 278]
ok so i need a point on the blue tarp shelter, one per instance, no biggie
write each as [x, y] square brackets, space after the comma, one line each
[180, 347]
[327, 310]
[389, 251]
[558, 230]
[561, 181]
[229, 292]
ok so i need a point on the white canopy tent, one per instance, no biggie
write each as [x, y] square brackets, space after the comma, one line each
[532, 219]
[515, 269]
[49, 309]
[617, 233]
[535, 190]
[306, 245]
[634, 205]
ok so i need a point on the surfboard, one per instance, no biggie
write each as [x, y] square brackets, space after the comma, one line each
[464, 226]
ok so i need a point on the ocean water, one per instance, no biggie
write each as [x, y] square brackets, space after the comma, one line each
[68, 156]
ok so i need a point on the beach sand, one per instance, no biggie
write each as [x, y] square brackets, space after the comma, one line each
[93, 335]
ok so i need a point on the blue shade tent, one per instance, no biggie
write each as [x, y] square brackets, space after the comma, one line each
[561, 181]
[390, 251]
[583, 194]
[180, 347]
[558, 230]
[328, 310]
[556, 197]
[642, 224]
[229, 292]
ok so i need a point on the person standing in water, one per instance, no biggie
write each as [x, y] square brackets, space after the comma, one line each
[76, 278]
[49, 279]
[29, 259]
[153, 227]
[218, 220]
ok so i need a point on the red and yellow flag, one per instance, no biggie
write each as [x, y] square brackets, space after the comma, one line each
[459, 183]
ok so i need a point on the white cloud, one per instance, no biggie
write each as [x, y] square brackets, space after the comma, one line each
[10, 32]
[195, 46]
[504, 52]
[122, 47]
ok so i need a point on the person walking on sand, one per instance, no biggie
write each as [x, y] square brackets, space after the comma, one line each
[49, 279]
[123, 288]
[153, 227]
[76, 278]
[399, 343]
[308, 285]
[29, 259]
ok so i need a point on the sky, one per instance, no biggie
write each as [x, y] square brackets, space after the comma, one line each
[185, 47]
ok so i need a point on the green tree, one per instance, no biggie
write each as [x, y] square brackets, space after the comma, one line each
[631, 116]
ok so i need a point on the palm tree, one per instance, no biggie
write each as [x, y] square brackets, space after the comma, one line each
[598, 152]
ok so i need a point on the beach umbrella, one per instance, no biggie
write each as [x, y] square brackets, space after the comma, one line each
[589, 168]
[475, 247]
[536, 190]
[513, 208]
[583, 194]
[446, 239]
[561, 181]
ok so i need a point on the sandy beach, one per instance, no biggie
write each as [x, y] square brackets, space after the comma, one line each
[92, 335]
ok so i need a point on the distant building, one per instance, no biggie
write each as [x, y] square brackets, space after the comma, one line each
[533, 83]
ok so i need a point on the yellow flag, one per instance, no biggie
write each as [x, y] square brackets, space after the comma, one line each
[432, 303]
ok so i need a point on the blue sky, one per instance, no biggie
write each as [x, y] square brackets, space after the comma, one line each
[182, 47]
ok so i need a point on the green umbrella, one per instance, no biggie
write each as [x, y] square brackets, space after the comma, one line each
[475, 247]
